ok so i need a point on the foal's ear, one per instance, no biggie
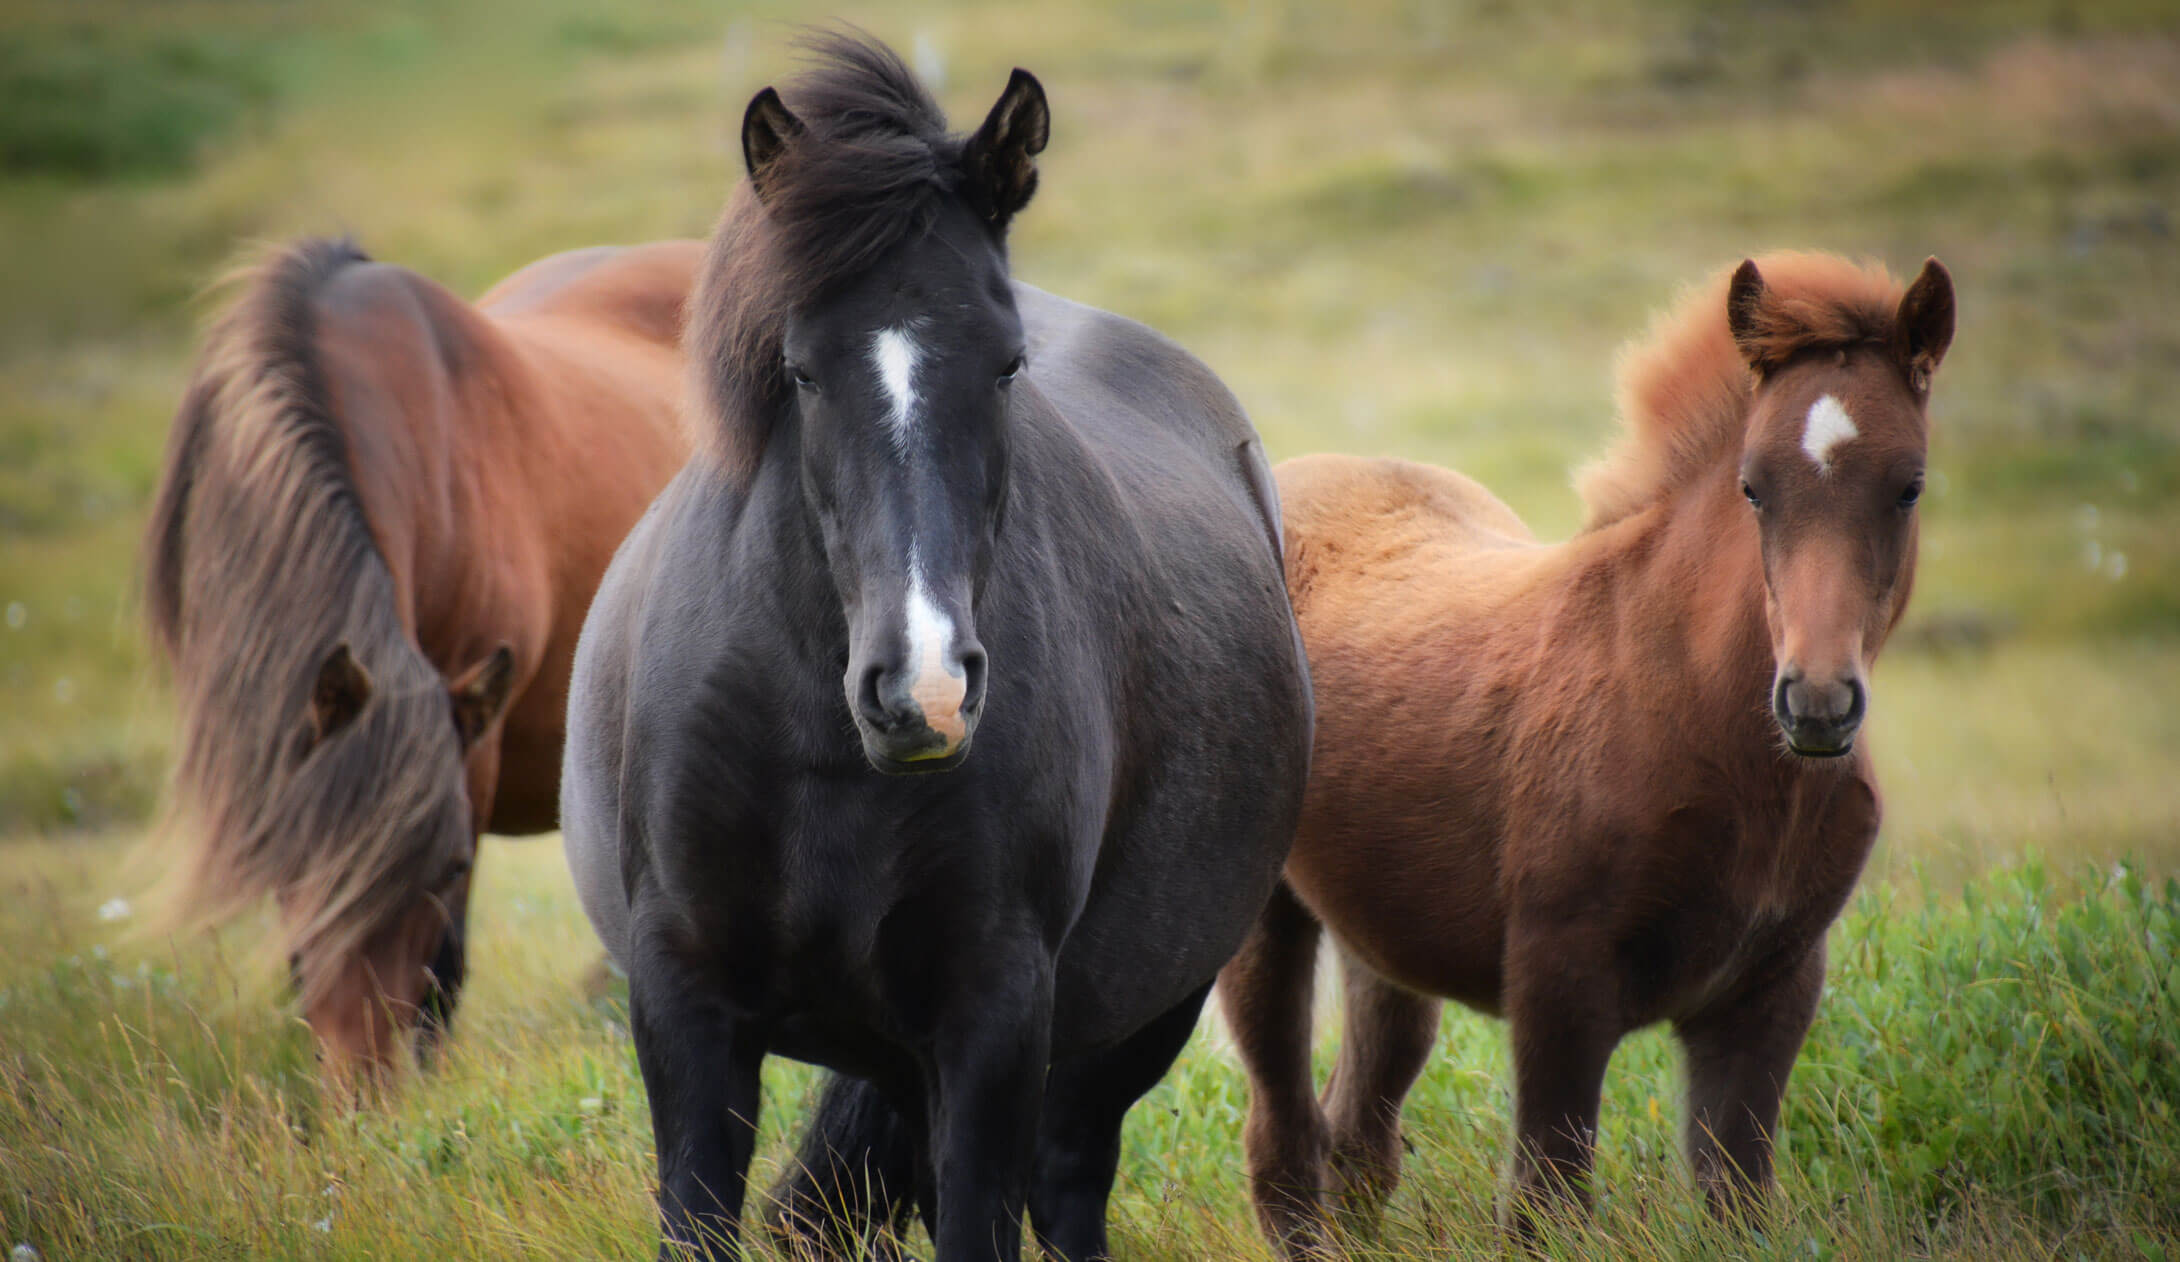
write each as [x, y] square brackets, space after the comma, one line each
[339, 693]
[480, 693]
[768, 127]
[1745, 314]
[1000, 158]
[1925, 323]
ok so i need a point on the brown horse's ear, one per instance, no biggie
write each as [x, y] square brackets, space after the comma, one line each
[1745, 314]
[480, 693]
[339, 694]
[1001, 158]
[768, 127]
[1925, 323]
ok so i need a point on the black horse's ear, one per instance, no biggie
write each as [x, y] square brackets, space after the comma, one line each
[339, 693]
[768, 127]
[480, 693]
[1001, 158]
[1925, 323]
[1745, 312]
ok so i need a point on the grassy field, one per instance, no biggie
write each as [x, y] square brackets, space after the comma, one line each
[1416, 229]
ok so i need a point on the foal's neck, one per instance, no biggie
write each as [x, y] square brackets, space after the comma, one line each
[1694, 602]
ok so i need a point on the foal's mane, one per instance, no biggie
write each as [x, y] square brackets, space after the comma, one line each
[1685, 390]
[871, 171]
[258, 560]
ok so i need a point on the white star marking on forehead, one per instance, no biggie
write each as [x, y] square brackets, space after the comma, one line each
[1828, 426]
[894, 356]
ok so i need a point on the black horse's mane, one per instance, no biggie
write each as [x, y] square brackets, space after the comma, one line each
[870, 171]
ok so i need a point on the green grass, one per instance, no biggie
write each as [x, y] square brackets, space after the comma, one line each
[1994, 1073]
[1411, 228]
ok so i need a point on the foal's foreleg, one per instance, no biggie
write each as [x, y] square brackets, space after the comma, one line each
[1388, 1039]
[988, 1065]
[700, 1067]
[1266, 992]
[1739, 1057]
[1561, 1006]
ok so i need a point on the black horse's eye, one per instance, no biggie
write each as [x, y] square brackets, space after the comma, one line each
[1749, 493]
[1014, 367]
[803, 380]
[1913, 493]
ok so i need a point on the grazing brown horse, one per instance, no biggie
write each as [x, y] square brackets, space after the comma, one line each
[383, 515]
[1604, 783]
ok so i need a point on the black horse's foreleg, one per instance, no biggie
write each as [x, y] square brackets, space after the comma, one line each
[988, 1076]
[700, 1067]
[854, 1173]
[1086, 1101]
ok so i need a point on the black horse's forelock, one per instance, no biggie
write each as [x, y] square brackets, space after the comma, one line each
[871, 170]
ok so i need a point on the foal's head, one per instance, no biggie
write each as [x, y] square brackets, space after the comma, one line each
[898, 350]
[1832, 467]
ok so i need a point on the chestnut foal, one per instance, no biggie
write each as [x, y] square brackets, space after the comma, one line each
[1600, 784]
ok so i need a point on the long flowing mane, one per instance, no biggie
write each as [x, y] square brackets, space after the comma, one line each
[1684, 391]
[869, 173]
[258, 561]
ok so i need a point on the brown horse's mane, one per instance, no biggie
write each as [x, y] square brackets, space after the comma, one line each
[1684, 391]
[869, 173]
[258, 561]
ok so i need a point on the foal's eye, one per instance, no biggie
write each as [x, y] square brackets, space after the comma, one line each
[1913, 493]
[1014, 366]
[1749, 493]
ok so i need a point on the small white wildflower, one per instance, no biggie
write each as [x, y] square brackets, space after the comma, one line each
[18, 615]
[2115, 566]
[2085, 518]
[324, 1224]
[114, 909]
[2092, 556]
[23, 1251]
[590, 1104]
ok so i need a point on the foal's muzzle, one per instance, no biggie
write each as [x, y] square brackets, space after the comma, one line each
[916, 721]
[1820, 719]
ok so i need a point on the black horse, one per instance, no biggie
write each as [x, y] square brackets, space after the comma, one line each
[935, 512]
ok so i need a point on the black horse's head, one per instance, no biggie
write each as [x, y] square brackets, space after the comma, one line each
[900, 361]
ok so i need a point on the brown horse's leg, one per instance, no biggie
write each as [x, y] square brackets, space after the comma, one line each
[1265, 993]
[1564, 1029]
[1389, 1036]
[1739, 1056]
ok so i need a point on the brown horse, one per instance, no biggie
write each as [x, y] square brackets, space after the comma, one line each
[1605, 783]
[383, 515]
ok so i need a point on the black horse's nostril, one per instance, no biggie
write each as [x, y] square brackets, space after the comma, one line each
[972, 666]
[868, 701]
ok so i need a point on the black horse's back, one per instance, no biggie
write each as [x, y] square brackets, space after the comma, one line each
[945, 722]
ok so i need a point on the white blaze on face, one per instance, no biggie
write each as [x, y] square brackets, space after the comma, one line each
[1827, 427]
[937, 688]
[894, 355]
